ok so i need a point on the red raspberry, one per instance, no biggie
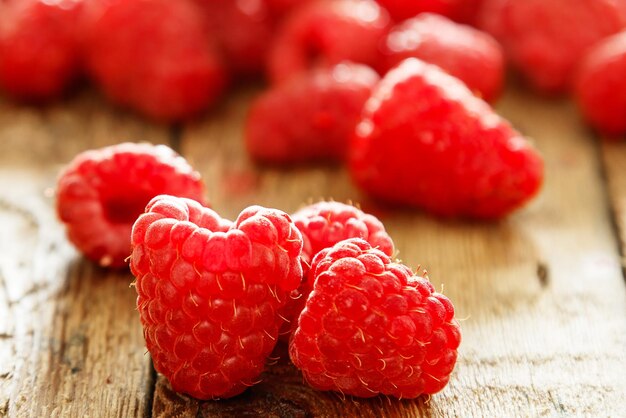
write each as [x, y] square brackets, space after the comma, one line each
[601, 85]
[425, 140]
[326, 33]
[101, 193]
[209, 291]
[372, 327]
[545, 39]
[243, 30]
[281, 8]
[38, 49]
[467, 53]
[322, 225]
[152, 56]
[459, 10]
[327, 102]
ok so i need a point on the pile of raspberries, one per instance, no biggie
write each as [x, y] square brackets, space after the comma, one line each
[215, 296]
[398, 90]
[171, 60]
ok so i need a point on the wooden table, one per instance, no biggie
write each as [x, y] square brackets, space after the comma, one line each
[541, 294]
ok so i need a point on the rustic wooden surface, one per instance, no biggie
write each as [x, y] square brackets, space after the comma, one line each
[541, 294]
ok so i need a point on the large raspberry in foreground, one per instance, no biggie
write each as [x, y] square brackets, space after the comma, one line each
[102, 192]
[425, 140]
[372, 327]
[209, 291]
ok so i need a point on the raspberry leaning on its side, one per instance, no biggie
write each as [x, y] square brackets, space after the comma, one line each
[425, 140]
[323, 225]
[102, 192]
[600, 85]
[327, 103]
[545, 39]
[153, 56]
[327, 32]
[472, 56]
[209, 291]
[38, 48]
[372, 327]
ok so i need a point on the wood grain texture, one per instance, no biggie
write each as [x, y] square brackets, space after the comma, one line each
[70, 341]
[541, 293]
[614, 157]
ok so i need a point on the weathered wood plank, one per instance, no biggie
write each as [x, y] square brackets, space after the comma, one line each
[614, 157]
[541, 292]
[70, 341]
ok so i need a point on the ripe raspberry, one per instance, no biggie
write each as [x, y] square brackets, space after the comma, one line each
[281, 8]
[459, 10]
[601, 85]
[327, 32]
[322, 225]
[152, 56]
[209, 291]
[425, 140]
[101, 193]
[327, 102]
[545, 39]
[472, 56]
[38, 49]
[372, 327]
[243, 30]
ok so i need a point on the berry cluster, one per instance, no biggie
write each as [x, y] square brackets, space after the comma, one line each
[185, 53]
[214, 296]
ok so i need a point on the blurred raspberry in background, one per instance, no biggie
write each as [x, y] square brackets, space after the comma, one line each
[39, 55]
[172, 61]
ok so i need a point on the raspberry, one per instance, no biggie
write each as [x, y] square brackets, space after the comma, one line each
[468, 54]
[424, 140]
[458, 10]
[209, 291]
[327, 102]
[243, 30]
[152, 56]
[281, 8]
[38, 49]
[601, 86]
[372, 327]
[545, 39]
[322, 225]
[101, 193]
[326, 33]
